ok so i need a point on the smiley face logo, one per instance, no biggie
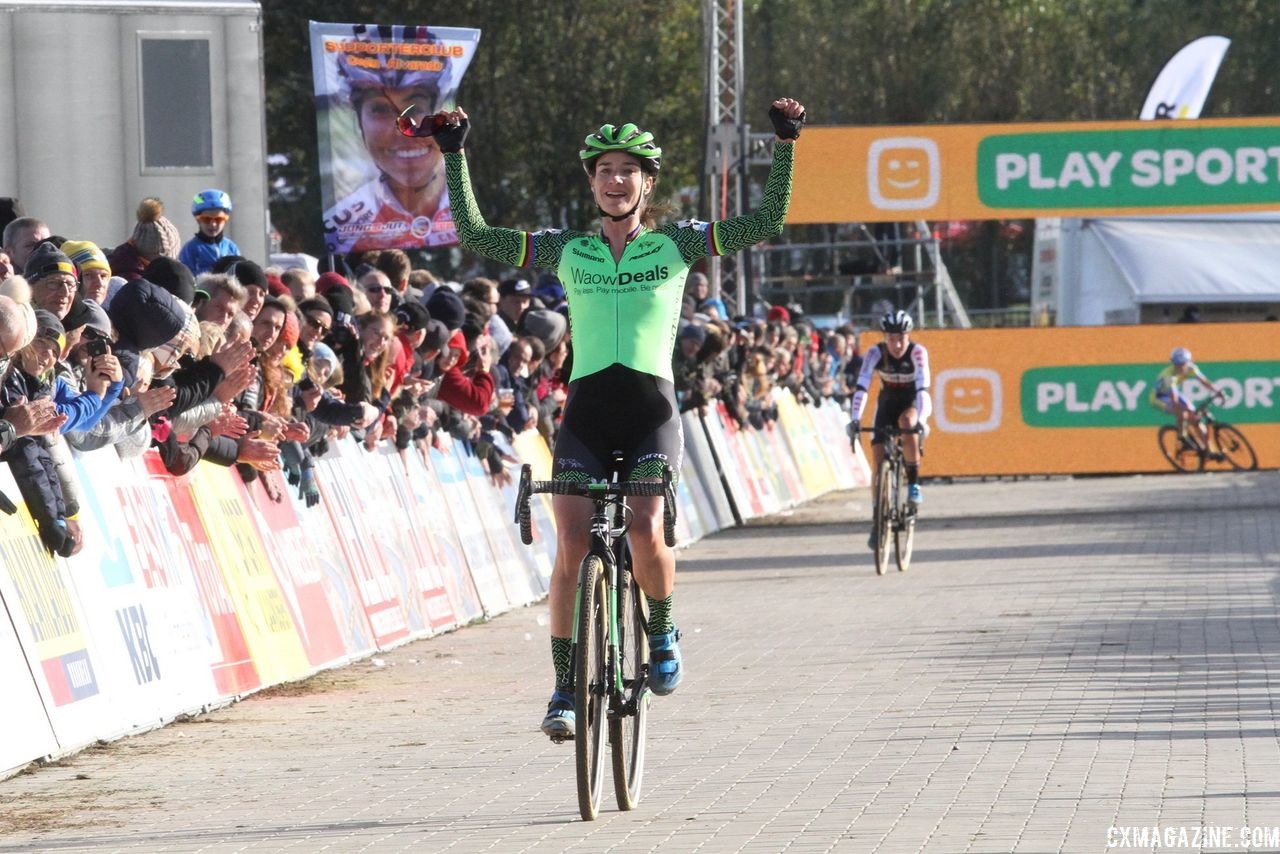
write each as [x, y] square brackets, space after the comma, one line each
[971, 400]
[903, 173]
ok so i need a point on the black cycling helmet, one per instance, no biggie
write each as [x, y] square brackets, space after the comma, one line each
[896, 321]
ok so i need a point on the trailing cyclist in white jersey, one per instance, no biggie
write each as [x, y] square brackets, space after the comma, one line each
[903, 367]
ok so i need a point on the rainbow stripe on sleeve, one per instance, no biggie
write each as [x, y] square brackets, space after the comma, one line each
[713, 239]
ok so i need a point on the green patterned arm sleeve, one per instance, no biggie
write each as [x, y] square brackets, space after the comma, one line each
[731, 235]
[501, 244]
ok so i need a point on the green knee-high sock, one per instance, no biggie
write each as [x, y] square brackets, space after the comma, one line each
[660, 621]
[562, 658]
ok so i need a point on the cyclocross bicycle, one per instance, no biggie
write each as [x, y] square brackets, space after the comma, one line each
[1185, 450]
[891, 512]
[610, 635]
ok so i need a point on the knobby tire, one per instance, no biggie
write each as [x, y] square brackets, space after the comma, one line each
[882, 513]
[590, 699]
[627, 734]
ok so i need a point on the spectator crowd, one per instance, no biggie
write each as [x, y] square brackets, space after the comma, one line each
[202, 354]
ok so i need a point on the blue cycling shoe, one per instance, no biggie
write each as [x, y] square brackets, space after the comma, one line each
[559, 720]
[914, 495]
[665, 671]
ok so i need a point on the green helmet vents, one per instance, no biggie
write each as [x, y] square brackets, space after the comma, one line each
[628, 139]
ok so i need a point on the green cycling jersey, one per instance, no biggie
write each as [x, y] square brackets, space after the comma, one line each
[626, 312]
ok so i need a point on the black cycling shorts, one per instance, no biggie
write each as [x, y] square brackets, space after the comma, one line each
[618, 410]
[889, 408]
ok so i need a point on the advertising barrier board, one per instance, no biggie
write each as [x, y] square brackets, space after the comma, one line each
[1076, 400]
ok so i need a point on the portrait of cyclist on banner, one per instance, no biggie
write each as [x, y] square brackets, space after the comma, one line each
[903, 366]
[1167, 396]
[405, 204]
[625, 285]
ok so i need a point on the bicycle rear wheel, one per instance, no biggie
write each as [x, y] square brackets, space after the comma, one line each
[589, 690]
[904, 535]
[1180, 455]
[627, 734]
[881, 516]
[1235, 447]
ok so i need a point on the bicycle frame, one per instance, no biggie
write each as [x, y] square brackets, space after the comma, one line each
[609, 544]
[608, 526]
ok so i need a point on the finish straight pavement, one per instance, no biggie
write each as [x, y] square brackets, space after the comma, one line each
[1064, 657]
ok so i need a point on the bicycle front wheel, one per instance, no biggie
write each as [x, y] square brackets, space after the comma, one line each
[1236, 448]
[627, 732]
[904, 534]
[1179, 453]
[882, 513]
[590, 693]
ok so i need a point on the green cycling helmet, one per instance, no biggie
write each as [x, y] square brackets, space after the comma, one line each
[628, 139]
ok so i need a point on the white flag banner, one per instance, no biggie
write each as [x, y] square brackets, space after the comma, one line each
[1180, 90]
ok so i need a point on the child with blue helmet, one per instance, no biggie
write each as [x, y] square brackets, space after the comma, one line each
[212, 209]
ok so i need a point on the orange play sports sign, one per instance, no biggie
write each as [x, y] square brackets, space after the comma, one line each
[941, 172]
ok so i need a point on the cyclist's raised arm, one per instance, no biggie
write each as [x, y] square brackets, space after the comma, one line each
[723, 237]
[508, 245]
[869, 362]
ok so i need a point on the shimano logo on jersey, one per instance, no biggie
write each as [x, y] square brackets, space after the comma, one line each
[596, 258]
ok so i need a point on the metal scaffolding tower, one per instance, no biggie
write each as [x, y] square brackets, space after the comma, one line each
[725, 165]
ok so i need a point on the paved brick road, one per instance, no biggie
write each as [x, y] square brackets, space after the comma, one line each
[1064, 657]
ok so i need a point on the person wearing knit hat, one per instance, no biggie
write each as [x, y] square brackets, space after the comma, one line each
[276, 286]
[173, 276]
[316, 316]
[546, 325]
[153, 235]
[343, 301]
[446, 307]
[254, 280]
[91, 262]
[328, 281]
[53, 279]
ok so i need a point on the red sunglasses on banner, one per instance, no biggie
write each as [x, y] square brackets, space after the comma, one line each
[429, 126]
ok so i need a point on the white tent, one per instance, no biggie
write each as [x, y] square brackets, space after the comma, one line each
[1127, 270]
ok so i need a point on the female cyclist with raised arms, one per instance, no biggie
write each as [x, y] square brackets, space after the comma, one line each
[625, 284]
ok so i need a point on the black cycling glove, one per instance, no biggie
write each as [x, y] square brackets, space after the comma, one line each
[785, 127]
[451, 137]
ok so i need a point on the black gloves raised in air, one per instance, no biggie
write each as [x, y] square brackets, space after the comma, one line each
[451, 137]
[784, 126]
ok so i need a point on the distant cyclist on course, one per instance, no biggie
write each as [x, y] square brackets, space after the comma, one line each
[1167, 396]
[903, 366]
[625, 284]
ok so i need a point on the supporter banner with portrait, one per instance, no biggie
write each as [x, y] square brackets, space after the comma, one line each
[381, 189]
[1076, 400]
